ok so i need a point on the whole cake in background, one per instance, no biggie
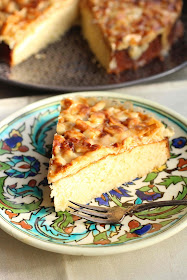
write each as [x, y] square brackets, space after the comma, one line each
[122, 34]
[128, 34]
[101, 144]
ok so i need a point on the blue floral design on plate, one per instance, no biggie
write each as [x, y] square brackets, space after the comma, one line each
[23, 167]
[42, 225]
[13, 141]
[146, 196]
[179, 142]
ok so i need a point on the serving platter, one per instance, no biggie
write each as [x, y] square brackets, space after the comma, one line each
[69, 65]
[27, 212]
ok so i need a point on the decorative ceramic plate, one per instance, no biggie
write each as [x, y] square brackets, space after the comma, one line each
[69, 65]
[27, 212]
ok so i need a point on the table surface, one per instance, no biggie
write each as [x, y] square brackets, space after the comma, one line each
[165, 260]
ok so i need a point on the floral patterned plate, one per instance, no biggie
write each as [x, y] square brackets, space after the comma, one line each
[27, 212]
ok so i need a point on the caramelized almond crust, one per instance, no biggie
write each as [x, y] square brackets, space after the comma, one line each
[127, 23]
[133, 32]
[16, 15]
[90, 129]
[123, 61]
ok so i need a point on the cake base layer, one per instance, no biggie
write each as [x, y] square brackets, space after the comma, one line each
[108, 173]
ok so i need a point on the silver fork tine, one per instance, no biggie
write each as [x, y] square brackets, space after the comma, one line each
[97, 208]
[92, 219]
[90, 212]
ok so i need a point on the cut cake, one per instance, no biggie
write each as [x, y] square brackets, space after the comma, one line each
[101, 144]
[27, 26]
[122, 34]
[128, 34]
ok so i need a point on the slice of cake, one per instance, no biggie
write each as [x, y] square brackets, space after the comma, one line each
[101, 144]
[28, 26]
[128, 34]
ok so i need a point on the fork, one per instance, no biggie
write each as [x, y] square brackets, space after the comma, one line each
[114, 215]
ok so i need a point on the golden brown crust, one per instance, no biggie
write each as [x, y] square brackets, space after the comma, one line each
[17, 15]
[127, 24]
[90, 129]
[123, 61]
[133, 32]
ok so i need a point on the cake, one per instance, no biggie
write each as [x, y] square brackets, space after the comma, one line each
[27, 26]
[128, 34]
[101, 144]
[122, 34]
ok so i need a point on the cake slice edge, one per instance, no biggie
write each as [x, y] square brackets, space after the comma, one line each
[108, 173]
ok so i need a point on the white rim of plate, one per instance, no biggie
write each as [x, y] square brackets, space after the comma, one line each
[101, 250]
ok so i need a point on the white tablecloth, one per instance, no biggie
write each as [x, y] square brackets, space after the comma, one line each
[165, 260]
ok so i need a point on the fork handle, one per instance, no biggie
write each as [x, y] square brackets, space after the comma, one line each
[146, 206]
